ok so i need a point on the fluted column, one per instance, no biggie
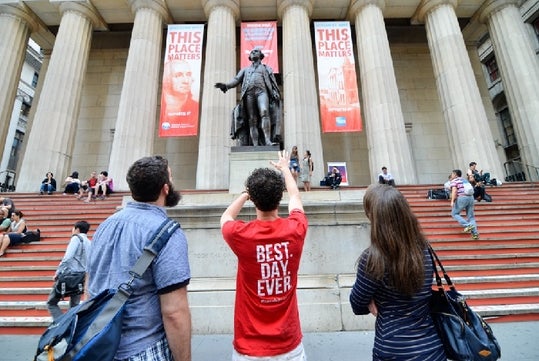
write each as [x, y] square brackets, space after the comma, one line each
[519, 69]
[220, 66]
[463, 111]
[137, 112]
[386, 133]
[51, 139]
[16, 24]
[300, 99]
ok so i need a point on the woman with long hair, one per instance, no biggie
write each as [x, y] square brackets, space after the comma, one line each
[307, 171]
[394, 280]
[15, 234]
[294, 163]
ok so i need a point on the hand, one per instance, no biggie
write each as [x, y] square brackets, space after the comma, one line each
[221, 86]
[373, 309]
[284, 160]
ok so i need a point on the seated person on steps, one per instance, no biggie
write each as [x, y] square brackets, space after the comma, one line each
[15, 232]
[385, 177]
[334, 178]
[87, 185]
[482, 178]
[72, 184]
[48, 184]
[102, 188]
[5, 222]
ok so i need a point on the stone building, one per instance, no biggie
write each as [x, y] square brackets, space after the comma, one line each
[426, 106]
[17, 121]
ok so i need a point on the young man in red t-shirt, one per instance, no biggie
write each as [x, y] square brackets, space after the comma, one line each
[266, 317]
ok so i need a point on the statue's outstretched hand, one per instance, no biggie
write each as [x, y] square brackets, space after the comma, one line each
[221, 86]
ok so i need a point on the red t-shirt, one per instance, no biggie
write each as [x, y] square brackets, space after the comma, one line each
[266, 317]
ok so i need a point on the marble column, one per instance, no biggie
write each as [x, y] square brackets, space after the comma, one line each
[386, 133]
[220, 66]
[300, 97]
[16, 24]
[136, 123]
[51, 138]
[519, 69]
[463, 111]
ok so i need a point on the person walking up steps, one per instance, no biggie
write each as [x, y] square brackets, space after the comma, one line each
[461, 201]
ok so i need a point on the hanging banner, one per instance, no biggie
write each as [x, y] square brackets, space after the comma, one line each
[337, 83]
[262, 35]
[181, 81]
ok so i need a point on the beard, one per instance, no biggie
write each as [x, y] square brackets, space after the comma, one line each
[173, 196]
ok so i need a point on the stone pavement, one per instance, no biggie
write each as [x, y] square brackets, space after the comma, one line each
[519, 342]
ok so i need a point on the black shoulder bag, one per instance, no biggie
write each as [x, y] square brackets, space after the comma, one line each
[464, 334]
[69, 282]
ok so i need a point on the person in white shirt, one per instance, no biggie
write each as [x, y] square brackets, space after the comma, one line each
[385, 177]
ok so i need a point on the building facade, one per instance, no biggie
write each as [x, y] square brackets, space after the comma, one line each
[18, 121]
[426, 106]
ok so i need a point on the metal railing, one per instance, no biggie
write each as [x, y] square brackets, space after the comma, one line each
[517, 171]
[8, 185]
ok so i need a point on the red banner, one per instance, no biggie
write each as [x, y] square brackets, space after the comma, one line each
[181, 81]
[262, 35]
[337, 83]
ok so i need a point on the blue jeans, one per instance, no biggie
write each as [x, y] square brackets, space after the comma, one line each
[47, 188]
[464, 203]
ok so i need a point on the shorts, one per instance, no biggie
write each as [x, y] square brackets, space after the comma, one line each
[297, 354]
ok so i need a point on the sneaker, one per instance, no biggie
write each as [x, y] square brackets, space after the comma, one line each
[468, 229]
[475, 236]
[41, 193]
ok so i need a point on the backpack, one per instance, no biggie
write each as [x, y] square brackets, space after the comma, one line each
[468, 187]
[437, 194]
[31, 236]
[92, 330]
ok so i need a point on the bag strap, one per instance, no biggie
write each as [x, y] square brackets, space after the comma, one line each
[434, 256]
[152, 249]
[81, 247]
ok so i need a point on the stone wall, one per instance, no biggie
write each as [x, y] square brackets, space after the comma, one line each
[338, 233]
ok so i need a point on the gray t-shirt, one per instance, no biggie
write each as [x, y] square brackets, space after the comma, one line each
[116, 245]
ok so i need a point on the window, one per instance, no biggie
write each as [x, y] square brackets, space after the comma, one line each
[15, 150]
[35, 79]
[25, 109]
[492, 69]
[507, 125]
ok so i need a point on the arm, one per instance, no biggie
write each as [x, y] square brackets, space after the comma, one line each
[231, 84]
[291, 185]
[234, 209]
[453, 195]
[363, 290]
[177, 322]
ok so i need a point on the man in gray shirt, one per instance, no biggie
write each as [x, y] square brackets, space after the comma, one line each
[157, 319]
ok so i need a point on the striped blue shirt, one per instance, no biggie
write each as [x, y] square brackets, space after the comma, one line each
[404, 328]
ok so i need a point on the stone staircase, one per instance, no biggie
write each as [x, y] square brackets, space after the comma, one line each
[499, 273]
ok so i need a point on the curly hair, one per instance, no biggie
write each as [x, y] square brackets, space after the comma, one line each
[146, 177]
[265, 187]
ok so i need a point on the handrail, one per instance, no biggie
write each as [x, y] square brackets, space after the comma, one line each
[527, 176]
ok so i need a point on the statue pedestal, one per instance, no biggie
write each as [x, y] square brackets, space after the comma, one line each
[243, 160]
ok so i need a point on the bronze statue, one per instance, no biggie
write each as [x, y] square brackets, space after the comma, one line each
[260, 104]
